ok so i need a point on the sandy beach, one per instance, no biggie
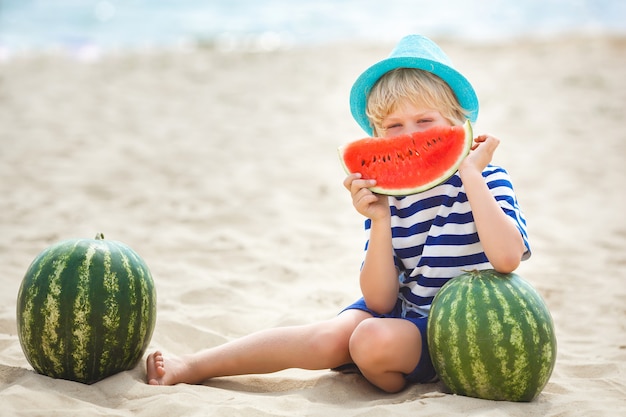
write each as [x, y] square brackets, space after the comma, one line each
[220, 170]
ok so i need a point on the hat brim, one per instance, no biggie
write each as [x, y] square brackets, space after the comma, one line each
[461, 87]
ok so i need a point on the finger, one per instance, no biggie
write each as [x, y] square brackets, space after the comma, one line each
[485, 138]
[480, 138]
[347, 182]
[355, 180]
[491, 142]
[358, 185]
[363, 200]
[359, 193]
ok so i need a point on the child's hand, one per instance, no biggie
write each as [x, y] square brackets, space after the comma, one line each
[370, 205]
[481, 154]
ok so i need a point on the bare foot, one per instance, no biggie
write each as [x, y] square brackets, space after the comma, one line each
[164, 372]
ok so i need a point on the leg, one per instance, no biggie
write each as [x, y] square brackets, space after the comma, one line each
[316, 346]
[385, 350]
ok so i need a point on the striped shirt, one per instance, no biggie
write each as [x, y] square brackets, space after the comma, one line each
[434, 236]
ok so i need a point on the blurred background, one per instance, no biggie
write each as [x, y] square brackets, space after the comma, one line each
[89, 27]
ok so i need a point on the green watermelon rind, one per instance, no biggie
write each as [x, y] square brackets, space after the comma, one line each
[86, 309]
[445, 175]
[491, 336]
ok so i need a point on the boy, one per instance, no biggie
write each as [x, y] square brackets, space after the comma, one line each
[415, 243]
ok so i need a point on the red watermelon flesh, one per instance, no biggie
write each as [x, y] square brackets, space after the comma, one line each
[409, 164]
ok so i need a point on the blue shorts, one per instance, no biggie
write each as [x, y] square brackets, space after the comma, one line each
[424, 371]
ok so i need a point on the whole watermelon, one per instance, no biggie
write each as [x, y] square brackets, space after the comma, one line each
[86, 310]
[491, 336]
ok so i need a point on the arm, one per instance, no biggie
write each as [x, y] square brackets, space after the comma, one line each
[379, 277]
[500, 238]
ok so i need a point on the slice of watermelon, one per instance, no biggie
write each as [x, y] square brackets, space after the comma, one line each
[409, 164]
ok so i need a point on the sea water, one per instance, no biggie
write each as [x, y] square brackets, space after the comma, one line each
[271, 24]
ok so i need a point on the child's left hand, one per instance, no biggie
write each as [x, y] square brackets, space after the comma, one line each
[482, 152]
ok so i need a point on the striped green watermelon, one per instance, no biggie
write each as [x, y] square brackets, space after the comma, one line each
[86, 310]
[491, 336]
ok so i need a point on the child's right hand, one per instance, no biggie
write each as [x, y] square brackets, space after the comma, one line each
[369, 204]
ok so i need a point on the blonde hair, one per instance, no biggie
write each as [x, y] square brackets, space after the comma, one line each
[418, 87]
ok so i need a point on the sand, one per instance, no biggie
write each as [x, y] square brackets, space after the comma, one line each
[220, 169]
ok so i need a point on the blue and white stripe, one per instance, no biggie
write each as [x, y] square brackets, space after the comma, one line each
[435, 239]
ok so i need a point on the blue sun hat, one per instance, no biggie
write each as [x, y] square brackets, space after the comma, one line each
[413, 51]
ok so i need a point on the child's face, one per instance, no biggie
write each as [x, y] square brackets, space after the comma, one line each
[409, 118]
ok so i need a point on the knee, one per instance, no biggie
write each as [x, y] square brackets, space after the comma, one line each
[370, 343]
